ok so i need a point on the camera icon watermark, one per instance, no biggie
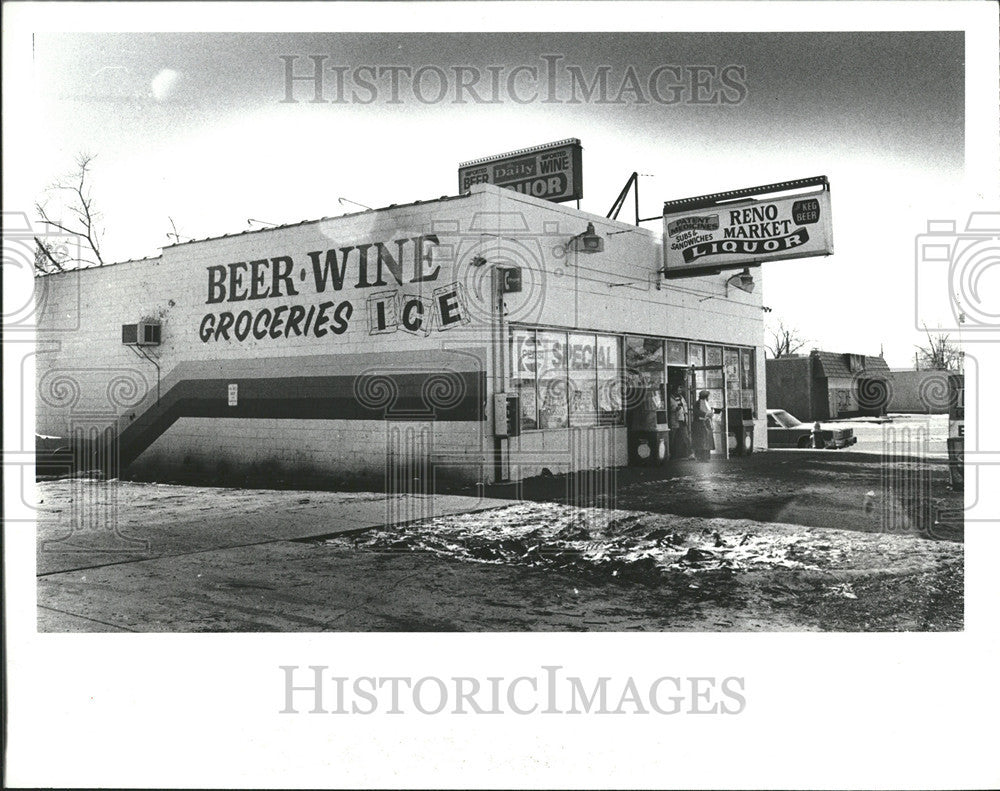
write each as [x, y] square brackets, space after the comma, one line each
[30, 257]
[953, 270]
[491, 246]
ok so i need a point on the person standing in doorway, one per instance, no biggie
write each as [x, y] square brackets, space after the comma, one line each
[704, 435]
[677, 420]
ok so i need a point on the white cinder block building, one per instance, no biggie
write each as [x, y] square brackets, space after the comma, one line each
[379, 343]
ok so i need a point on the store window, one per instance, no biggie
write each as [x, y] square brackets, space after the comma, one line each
[676, 353]
[747, 372]
[581, 358]
[733, 390]
[713, 356]
[696, 357]
[644, 370]
[583, 379]
[553, 404]
[609, 381]
[524, 367]
[566, 379]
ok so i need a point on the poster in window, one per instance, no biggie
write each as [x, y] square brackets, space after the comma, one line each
[529, 405]
[732, 364]
[552, 395]
[523, 367]
[609, 387]
[747, 379]
[746, 362]
[696, 357]
[644, 360]
[676, 353]
[581, 359]
[713, 356]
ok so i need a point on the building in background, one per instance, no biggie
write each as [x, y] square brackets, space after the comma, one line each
[923, 392]
[828, 385]
[486, 337]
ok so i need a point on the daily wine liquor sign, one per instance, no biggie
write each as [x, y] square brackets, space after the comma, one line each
[731, 230]
[553, 171]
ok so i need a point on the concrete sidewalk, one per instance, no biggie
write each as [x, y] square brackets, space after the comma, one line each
[125, 557]
[87, 524]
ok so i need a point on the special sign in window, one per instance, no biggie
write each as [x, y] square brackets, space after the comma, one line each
[566, 379]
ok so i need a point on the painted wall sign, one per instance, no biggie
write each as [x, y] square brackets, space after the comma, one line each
[716, 232]
[390, 266]
[553, 171]
[392, 311]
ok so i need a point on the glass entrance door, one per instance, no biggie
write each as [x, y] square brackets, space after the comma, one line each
[713, 379]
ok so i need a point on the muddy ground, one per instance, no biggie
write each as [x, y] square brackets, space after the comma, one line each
[837, 489]
[783, 541]
[636, 570]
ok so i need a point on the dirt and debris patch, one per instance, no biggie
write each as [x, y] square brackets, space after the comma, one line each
[733, 574]
[636, 545]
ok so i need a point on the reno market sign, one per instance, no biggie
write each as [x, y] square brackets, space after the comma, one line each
[391, 274]
[731, 230]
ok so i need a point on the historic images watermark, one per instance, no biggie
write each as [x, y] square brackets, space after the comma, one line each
[317, 79]
[313, 689]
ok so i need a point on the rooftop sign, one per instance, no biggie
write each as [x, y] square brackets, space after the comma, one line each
[731, 230]
[553, 171]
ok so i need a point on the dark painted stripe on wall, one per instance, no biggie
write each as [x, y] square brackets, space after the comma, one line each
[445, 396]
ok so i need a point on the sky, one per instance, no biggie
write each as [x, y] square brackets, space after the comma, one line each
[195, 129]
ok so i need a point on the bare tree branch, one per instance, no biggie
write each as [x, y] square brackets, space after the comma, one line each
[940, 353]
[785, 341]
[173, 234]
[80, 206]
[43, 253]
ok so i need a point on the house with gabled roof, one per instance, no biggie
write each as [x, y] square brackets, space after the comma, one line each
[828, 385]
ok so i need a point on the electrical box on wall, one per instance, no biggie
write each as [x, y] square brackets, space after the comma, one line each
[506, 415]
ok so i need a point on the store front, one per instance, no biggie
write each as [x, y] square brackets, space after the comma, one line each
[572, 380]
[479, 338]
